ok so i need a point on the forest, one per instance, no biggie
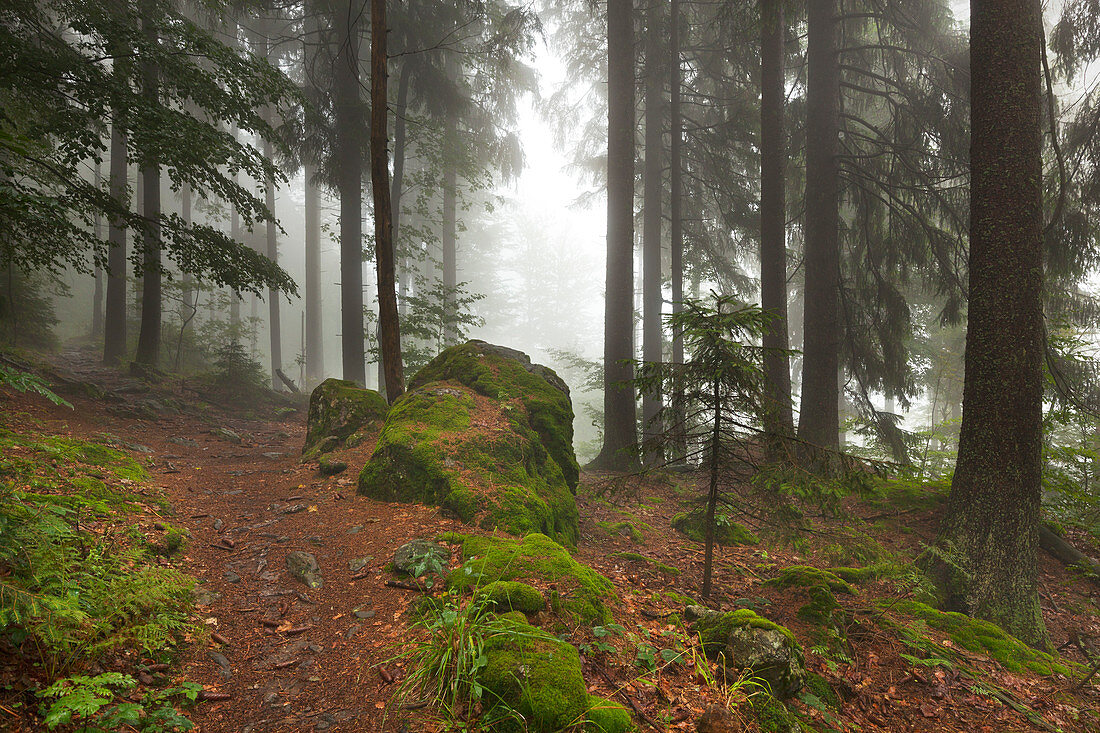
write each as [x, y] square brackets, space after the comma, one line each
[560, 367]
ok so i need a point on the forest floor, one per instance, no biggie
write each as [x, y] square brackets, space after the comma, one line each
[283, 657]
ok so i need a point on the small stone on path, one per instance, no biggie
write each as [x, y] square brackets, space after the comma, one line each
[304, 567]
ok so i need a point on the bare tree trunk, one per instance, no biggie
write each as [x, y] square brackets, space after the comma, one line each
[97, 294]
[819, 420]
[620, 429]
[651, 227]
[349, 175]
[779, 418]
[188, 291]
[114, 327]
[148, 348]
[450, 235]
[992, 518]
[389, 328]
[315, 357]
[676, 223]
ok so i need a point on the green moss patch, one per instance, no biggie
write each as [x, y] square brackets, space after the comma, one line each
[804, 576]
[606, 716]
[581, 593]
[772, 715]
[624, 528]
[445, 446]
[503, 375]
[693, 525]
[512, 595]
[981, 636]
[338, 409]
[657, 564]
[537, 676]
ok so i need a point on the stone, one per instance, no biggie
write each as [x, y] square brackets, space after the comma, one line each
[718, 719]
[410, 554]
[337, 409]
[204, 596]
[359, 563]
[293, 509]
[328, 467]
[748, 642]
[232, 577]
[364, 613]
[226, 434]
[304, 567]
[224, 668]
[273, 455]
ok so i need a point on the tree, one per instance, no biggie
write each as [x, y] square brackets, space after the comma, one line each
[620, 429]
[389, 327]
[114, 330]
[990, 528]
[148, 347]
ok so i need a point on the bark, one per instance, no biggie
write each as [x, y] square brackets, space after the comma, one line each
[651, 230]
[712, 493]
[676, 225]
[620, 429]
[450, 236]
[819, 421]
[97, 293]
[778, 416]
[275, 330]
[389, 328]
[349, 173]
[315, 356]
[148, 347]
[991, 523]
[114, 327]
[188, 291]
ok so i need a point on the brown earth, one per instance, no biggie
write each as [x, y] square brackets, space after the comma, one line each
[298, 659]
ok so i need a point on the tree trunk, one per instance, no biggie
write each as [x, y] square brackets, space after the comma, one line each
[97, 294]
[620, 428]
[349, 173]
[114, 327]
[188, 290]
[397, 187]
[148, 347]
[991, 522]
[389, 327]
[315, 356]
[676, 225]
[778, 417]
[712, 493]
[449, 235]
[651, 228]
[819, 421]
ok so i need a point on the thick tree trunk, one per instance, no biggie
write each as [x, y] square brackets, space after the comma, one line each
[397, 187]
[620, 428]
[148, 347]
[819, 421]
[274, 314]
[315, 356]
[349, 173]
[676, 225]
[991, 522]
[389, 327]
[97, 293]
[188, 290]
[778, 418]
[114, 327]
[651, 228]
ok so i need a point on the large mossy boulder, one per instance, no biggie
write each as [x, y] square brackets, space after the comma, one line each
[746, 641]
[337, 410]
[579, 592]
[484, 444]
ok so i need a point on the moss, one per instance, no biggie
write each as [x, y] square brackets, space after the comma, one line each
[820, 688]
[503, 374]
[606, 716]
[820, 608]
[426, 452]
[804, 576]
[772, 715]
[581, 592]
[536, 675]
[859, 576]
[635, 557]
[512, 595]
[693, 526]
[977, 635]
[714, 629]
[338, 409]
[855, 548]
[622, 528]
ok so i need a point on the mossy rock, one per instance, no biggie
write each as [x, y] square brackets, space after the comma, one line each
[693, 525]
[821, 609]
[581, 593]
[772, 715]
[512, 595]
[820, 688]
[606, 716]
[338, 409]
[537, 676]
[747, 641]
[430, 450]
[805, 576]
[504, 375]
[624, 528]
[636, 557]
[976, 635]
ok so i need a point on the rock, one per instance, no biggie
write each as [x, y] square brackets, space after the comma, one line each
[316, 541]
[355, 530]
[772, 715]
[224, 668]
[512, 595]
[293, 509]
[693, 525]
[505, 462]
[337, 409]
[327, 467]
[218, 524]
[607, 716]
[718, 719]
[409, 555]
[183, 441]
[226, 434]
[273, 455]
[232, 577]
[363, 613]
[538, 676]
[746, 641]
[304, 567]
[359, 563]
[352, 631]
[204, 596]
[694, 613]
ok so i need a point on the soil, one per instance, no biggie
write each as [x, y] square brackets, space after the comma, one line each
[286, 657]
